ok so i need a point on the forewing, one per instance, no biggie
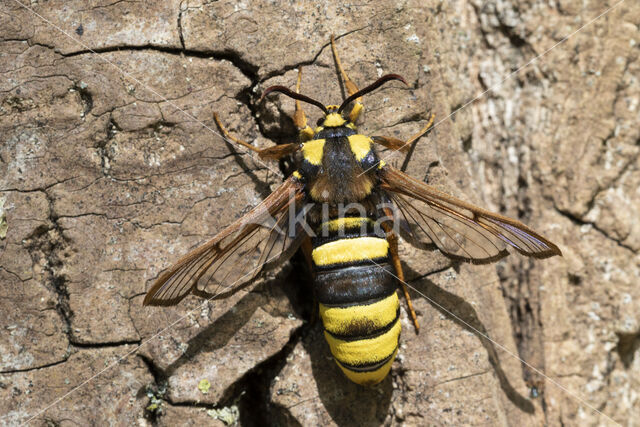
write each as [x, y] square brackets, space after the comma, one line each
[458, 229]
[257, 241]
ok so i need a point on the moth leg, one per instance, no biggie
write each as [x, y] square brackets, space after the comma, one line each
[392, 238]
[351, 86]
[270, 153]
[403, 146]
[306, 249]
[299, 118]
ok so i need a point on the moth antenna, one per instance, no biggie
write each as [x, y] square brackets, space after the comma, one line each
[294, 95]
[373, 86]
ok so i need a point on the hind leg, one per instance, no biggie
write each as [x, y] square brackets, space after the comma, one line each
[392, 238]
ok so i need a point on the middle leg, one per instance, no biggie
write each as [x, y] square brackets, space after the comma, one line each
[403, 146]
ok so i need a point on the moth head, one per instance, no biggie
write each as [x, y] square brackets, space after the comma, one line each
[332, 118]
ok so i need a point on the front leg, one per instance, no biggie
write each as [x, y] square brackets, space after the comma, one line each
[351, 86]
[270, 153]
[299, 118]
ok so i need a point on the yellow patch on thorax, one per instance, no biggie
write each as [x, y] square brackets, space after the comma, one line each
[350, 250]
[333, 120]
[313, 150]
[360, 145]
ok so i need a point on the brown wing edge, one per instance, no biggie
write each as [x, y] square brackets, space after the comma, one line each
[395, 181]
[278, 201]
[405, 232]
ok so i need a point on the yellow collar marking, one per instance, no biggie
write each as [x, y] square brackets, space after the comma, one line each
[333, 120]
[346, 223]
[313, 150]
[360, 145]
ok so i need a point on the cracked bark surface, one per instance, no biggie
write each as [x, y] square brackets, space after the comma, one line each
[110, 171]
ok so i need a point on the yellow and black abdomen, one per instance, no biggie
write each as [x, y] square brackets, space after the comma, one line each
[358, 301]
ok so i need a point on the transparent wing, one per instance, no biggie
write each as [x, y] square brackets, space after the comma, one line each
[261, 239]
[458, 229]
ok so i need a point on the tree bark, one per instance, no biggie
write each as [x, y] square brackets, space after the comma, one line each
[111, 167]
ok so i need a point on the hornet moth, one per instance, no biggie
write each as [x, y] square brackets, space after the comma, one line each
[345, 208]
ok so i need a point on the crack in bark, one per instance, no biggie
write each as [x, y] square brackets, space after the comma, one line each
[37, 368]
[48, 242]
[155, 391]
[247, 68]
[44, 189]
[518, 42]
[2, 268]
[86, 99]
[180, 30]
[105, 6]
[105, 344]
[251, 392]
[103, 152]
[628, 346]
[579, 221]
[462, 377]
